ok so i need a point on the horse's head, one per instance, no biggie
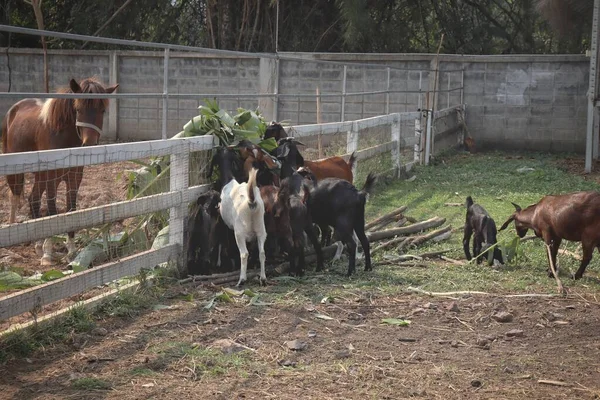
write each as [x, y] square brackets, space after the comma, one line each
[90, 112]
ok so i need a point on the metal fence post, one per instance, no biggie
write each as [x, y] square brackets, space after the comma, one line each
[417, 147]
[387, 95]
[165, 102]
[396, 163]
[179, 180]
[428, 144]
[344, 95]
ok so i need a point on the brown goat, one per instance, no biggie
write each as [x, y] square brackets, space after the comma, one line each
[332, 167]
[574, 217]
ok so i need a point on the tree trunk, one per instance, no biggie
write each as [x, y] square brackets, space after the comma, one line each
[37, 10]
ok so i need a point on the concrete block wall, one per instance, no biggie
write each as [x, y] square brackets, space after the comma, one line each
[141, 119]
[530, 102]
[533, 102]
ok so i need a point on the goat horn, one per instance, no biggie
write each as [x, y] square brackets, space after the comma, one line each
[517, 207]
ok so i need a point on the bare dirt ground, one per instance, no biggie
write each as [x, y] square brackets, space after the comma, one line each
[453, 349]
[100, 186]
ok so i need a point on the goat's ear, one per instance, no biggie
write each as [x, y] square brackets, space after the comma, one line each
[299, 159]
[298, 142]
[508, 221]
[517, 207]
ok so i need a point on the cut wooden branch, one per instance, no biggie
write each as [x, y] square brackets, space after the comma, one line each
[384, 217]
[403, 221]
[559, 284]
[411, 220]
[387, 222]
[389, 243]
[434, 254]
[423, 238]
[405, 230]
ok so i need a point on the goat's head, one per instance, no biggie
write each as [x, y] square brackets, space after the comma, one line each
[519, 226]
[308, 175]
[228, 162]
[287, 151]
[275, 131]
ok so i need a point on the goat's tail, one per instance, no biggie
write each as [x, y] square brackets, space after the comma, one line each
[469, 201]
[251, 187]
[352, 160]
[368, 186]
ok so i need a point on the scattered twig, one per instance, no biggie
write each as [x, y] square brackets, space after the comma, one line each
[454, 204]
[419, 290]
[553, 383]
[423, 238]
[451, 260]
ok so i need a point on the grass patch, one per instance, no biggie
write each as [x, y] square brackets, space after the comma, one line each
[142, 371]
[90, 384]
[493, 180]
[200, 360]
[23, 342]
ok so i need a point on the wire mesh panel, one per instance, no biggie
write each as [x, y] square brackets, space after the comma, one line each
[124, 209]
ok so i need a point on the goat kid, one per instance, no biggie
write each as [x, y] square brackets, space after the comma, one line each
[337, 203]
[243, 211]
[479, 222]
[574, 217]
[275, 131]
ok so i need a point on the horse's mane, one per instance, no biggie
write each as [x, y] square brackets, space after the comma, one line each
[60, 113]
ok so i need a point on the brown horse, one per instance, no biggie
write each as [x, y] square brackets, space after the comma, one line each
[33, 125]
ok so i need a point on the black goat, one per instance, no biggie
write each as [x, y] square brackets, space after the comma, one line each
[202, 222]
[479, 222]
[336, 202]
[275, 131]
[297, 194]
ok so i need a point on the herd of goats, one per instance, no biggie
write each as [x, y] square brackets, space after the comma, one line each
[279, 199]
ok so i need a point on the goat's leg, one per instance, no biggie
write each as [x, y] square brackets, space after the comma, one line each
[588, 251]
[312, 236]
[554, 246]
[355, 238]
[261, 238]
[477, 241]
[360, 232]
[345, 234]
[467, 239]
[241, 243]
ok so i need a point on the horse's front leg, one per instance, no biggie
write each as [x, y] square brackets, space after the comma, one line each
[74, 177]
[51, 189]
[40, 181]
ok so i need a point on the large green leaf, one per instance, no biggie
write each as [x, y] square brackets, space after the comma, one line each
[52, 275]
[268, 144]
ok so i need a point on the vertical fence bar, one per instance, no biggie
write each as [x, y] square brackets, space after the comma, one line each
[387, 95]
[448, 97]
[344, 94]
[276, 92]
[165, 102]
[395, 131]
[417, 147]
[593, 86]
[428, 144]
[352, 143]
[179, 180]
[462, 85]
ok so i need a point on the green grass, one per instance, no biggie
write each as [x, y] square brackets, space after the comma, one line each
[200, 360]
[493, 181]
[90, 384]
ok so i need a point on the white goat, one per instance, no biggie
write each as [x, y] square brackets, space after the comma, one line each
[243, 210]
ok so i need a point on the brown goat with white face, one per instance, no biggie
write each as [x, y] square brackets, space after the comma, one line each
[574, 217]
